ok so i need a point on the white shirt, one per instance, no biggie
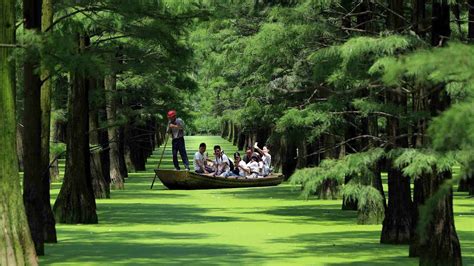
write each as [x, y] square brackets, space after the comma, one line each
[267, 160]
[222, 164]
[198, 157]
[243, 166]
[254, 167]
[260, 167]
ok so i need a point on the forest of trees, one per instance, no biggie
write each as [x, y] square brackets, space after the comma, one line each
[351, 90]
[341, 91]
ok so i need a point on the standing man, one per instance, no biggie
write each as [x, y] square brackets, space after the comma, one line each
[176, 129]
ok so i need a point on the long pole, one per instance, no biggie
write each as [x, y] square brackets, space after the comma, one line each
[161, 159]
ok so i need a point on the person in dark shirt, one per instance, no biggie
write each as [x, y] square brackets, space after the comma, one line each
[176, 129]
[248, 155]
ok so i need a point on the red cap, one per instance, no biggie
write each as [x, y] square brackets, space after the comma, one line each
[171, 113]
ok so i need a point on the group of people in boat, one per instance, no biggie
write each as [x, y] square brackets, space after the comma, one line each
[256, 162]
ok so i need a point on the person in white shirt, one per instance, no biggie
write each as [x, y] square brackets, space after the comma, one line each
[254, 167]
[240, 167]
[266, 158]
[221, 163]
[200, 161]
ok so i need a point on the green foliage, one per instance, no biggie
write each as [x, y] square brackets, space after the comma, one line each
[370, 205]
[357, 165]
[416, 162]
[57, 149]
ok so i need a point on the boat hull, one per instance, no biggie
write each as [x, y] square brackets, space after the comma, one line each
[173, 179]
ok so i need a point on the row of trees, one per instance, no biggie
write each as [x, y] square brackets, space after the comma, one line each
[352, 89]
[96, 76]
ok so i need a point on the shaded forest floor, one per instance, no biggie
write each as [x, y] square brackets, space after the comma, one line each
[139, 226]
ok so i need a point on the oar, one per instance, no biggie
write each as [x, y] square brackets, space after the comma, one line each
[161, 159]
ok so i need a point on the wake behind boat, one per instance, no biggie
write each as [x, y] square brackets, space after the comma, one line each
[173, 179]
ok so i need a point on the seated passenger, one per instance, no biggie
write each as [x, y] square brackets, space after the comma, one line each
[266, 158]
[248, 154]
[240, 167]
[221, 163]
[200, 161]
[254, 167]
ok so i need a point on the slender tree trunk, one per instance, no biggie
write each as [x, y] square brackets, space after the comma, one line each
[122, 152]
[134, 137]
[470, 34]
[19, 147]
[99, 185]
[33, 175]
[329, 188]
[46, 89]
[116, 176]
[54, 169]
[397, 224]
[16, 245]
[419, 17]
[103, 134]
[76, 203]
[463, 185]
[440, 23]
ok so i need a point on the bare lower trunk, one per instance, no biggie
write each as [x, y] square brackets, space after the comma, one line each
[329, 189]
[99, 185]
[397, 224]
[46, 90]
[440, 243]
[116, 177]
[33, 175]
[420, 193]
[76, 203]
[19, 147]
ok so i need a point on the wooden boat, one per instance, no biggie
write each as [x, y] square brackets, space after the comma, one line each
[174, 179]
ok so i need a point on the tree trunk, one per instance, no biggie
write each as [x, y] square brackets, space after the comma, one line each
[420, 194]
[397, 224]
[236, 135]
[116, 177]
[463, 185]
[419, 17]
[104, 139]
[440, 245]
[33, 175]
[470, 34]
[76, 203]
[241, 141]
[19, 147]
[395, 21]
[329, 188]
[133, 140]
[54, 169]
[122, 153]
[471, 185]
[99, 184]
[16, 246]
[440, 21]
[46, 88]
